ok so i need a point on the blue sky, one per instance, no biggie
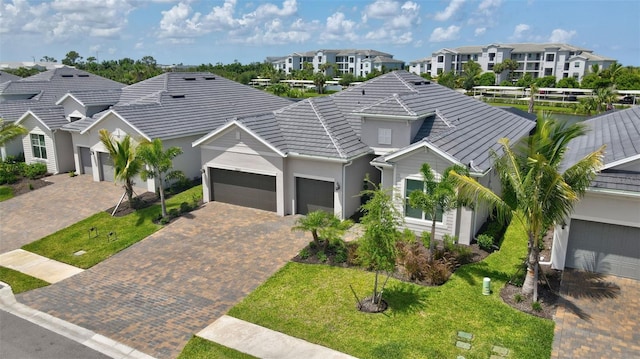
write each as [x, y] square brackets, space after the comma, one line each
[196, 32]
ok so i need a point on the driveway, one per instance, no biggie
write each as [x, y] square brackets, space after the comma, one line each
[31, 216]
[156, 294]
[597, 317]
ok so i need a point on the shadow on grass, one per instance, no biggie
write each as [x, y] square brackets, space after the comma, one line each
[405, 297]
[473, 273]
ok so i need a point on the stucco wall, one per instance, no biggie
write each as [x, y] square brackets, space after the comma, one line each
[189, 161]
[64, 152]
[35, 127]
[353, 183]
[401, 132]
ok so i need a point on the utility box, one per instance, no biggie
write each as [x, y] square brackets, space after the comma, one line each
[486, 286]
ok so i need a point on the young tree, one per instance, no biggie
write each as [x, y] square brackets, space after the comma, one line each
[325, 227]
[159, 164]
[9, 131]
[125, 163]
[511, 66]
[377, 248]
[535, 190]
[436, 197]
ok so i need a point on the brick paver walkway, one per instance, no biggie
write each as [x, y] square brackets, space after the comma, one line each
[597, 317]
[155, 295]
[33, 215]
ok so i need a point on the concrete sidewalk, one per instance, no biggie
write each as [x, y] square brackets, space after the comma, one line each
[38, 266]
[264, 343]
[81, 335]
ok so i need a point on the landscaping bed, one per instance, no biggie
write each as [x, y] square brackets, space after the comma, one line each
[26, 185]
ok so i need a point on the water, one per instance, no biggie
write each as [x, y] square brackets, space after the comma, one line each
[569, 117]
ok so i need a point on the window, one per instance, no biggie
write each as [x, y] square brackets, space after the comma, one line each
[290, 60]
[417, 185]
[576, 75]
[548, 72]
[576, 64]
[351, 59]
[319, 58]
[492, 56]
[550, 57]
[384, 136]
[38, 147]
[440, 58]
[566, 66]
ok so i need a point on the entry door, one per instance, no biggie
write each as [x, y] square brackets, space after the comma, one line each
[85, 160]
[106, 165]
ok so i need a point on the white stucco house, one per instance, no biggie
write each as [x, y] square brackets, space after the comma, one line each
[603, 233]
[314, 154]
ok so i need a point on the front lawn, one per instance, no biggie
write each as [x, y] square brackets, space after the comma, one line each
[315, 303]
[126, 230]
[20, 282]
[199, 348]
[6, 193]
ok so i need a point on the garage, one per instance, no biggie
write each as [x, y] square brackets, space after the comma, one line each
[85, 160]
[106, 166]
[604, 248]
[313, 195]
[244, 189]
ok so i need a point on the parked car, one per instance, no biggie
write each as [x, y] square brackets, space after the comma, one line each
[627, 100]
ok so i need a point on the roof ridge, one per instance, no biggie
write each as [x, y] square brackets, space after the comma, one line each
[404, 106]
[326, 129]
[404, 82]
[444, 119]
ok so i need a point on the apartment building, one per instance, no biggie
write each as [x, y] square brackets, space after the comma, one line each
[356, 62]
[537, 60]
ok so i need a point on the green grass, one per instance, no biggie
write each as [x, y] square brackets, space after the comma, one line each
[538, 108]
[199, 348]
[129, 229]
[20, 282]
[5, 193]
[315, 303]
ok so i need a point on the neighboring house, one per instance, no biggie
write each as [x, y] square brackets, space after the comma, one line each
[177, 108]
[5, 76]
[603, 233]
[356, 62]
[537, 60]
[35, 103]
[315, 154]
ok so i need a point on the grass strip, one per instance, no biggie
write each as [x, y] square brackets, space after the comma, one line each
[20, 282]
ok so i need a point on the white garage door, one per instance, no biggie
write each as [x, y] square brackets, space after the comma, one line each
[604, 248]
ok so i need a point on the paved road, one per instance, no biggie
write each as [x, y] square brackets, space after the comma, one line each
[156, 294]
[21, 339]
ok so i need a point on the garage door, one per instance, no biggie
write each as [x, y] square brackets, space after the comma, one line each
[85, 160]
[313, 195]
[604, 248]
[244, 189]
[106, 166]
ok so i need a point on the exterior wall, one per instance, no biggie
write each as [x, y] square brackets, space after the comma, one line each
[353, 183]
[313, 169]
[70, 105]
[402, 131]
[12, 148]
[237, 150]
[36, 127]
[189, 161]
[64, 152]
[603, 207]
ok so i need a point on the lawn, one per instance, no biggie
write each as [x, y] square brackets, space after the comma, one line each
[199, 348]
[5, 193]
[127, 230]
[315, 303]
[20, 282]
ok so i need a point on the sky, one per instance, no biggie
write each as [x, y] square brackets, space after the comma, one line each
[194, 32]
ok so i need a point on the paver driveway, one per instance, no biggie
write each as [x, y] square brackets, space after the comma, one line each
[156, 294]
[597, 317]
[33, 215]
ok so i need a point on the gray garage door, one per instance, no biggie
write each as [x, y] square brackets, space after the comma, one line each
[85, 160]
[313, 195]
[244, 189]
[604, 248]
[106, 165]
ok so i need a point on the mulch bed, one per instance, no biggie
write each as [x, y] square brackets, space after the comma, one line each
[25, 185]
[144, 200]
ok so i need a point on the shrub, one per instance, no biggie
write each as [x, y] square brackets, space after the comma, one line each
[15, 159]
[485, 242]
[438, 271]
[449, 242]
[165, 220]
[321, 257]
[173, 213]
[341, 255]
[408, 236]
[518, 297]
[426, 239]
[536, 306]
[464, 254]
[35, 170]
[304, 253]
[185, 207]
[7, 176]
[414, 258]
[352, 253]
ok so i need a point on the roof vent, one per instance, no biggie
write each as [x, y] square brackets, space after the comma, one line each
[362, 92]
[189, 78]
[177, 96]
[209, 77]
[66, 75]
[83, 75]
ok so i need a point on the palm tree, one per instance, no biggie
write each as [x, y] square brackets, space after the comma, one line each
[9, 131]
[159, 165]
[535, 191]
[125, 164]
[437, 196]
[319, 79]
[533, 90]
[324, 226]
[604, 96]
[595, 69]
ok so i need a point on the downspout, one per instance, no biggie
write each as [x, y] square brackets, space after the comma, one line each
[344, 196]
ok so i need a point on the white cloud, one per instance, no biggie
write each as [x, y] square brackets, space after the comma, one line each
[520, 31]
[178, 22]
[338, 27]
[440, 34]
[561, 36]
[487, 7]
[449, 11]
[381, 9]
[391, 20]
[480, 31]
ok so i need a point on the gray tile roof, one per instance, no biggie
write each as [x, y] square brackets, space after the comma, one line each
[47, 88]
[97, 97]
[614, 180]
[53, 116]
[5, 76]
[177, 104]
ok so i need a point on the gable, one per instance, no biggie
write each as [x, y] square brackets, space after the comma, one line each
[112, 121]
[234, 138]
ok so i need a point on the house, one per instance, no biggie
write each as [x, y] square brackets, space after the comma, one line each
[537, 60]
[603, 233]
[176, 107]
[356, 62]
[34, 103]
[315, 154]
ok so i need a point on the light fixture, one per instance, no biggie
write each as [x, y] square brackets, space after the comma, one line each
[337, 186]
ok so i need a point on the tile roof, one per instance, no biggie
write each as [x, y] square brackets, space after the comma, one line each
[47, 87]
[614, 180]
[5, 76]
[97, 97]
[52, 116]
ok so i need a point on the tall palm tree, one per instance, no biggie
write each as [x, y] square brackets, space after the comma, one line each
[535, 190]
[159, 165]
[125, 164]
[437, 196]
[9, 131]
[533, 90]
[604, 96]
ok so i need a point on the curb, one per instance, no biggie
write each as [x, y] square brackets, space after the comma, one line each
[71, 331]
